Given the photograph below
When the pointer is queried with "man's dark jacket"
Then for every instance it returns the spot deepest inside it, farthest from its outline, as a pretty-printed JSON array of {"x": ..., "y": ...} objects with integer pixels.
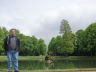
[{"x": 7, "y": 43}]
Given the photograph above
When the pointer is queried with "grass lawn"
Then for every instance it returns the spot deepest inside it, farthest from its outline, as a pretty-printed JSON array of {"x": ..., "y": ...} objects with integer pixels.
[
  {"x": 74, "y": 57},
  {"x": 4, "y": 58},
  {"x": 75, "y": 70}
]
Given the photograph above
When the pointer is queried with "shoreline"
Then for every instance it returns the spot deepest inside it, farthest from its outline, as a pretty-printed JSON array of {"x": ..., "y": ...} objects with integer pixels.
[{"x": 41, "y": 58}]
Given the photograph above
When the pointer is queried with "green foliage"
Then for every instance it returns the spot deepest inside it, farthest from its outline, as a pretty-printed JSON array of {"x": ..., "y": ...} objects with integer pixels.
[
  {"x": 91, "y": 39},
  {"x": 3, "y": 33},
  {"x": 64, "y": 44},
  {"x": 51, "y": 47},
  {"x": 41, "y": 47},
  {"x": 64, "y": 27},
  {"x": 30, "y": 46},
  {"x": 86, "y": 41},
  {"x": 82, "y": 43}
]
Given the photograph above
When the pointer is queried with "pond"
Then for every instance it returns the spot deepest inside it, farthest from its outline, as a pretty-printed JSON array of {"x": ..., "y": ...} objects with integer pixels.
[{"x": 57, "y": 64}]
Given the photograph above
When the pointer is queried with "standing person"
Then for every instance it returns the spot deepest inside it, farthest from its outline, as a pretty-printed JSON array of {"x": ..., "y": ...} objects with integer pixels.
[{"x": 11, "y": 46}]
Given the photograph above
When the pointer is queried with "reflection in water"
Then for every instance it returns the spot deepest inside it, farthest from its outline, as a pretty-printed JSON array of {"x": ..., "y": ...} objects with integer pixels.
[
  {"x": 49, "y": 64},
  {"x": 57, "y": 64}
]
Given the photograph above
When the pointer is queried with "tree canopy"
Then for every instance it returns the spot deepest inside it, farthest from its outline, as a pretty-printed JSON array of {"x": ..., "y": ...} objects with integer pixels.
[
  {"x": 30, "y": 45},
  {"x": 80, "y": 43}
]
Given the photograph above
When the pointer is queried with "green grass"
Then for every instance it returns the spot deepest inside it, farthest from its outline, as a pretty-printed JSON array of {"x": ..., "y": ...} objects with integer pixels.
[
  {"x": 4, "y": 58},
  {"x": 90, "y": 69},
  {"x": 25, "y": 58},
  {"x": 74, "y": 57},
  {"x": 58, "y": 70},
  {"x": 31, "y": 58}
]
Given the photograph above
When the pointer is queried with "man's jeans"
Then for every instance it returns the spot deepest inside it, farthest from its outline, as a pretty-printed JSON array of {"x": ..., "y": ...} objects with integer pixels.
[{"x": 12, "y": 57}]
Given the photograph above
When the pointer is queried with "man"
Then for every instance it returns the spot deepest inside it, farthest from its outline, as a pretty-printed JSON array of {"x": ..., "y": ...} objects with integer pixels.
[{"x": 11, "y": 46}]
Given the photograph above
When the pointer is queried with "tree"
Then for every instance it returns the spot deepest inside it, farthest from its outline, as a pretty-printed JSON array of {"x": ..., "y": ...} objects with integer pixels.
[
  {"x": 29, "y": 45},
  {"x": 91, "y": 39},
  {"x": 65, "y": 27},
  {"x": 3, "y": 34},
  {"x": 80, "y": 43},
  {"x": 63, "y": 44},
  {"x": 41, "y": 47},
  {"x": 68, "y": 39},
  {"x": 51, "y": 47}
]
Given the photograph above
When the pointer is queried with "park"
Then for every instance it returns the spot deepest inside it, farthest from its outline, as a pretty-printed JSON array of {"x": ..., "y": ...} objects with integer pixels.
[
  {"x": 47, "y": 35},
  {"x": 67, "y": 52}
]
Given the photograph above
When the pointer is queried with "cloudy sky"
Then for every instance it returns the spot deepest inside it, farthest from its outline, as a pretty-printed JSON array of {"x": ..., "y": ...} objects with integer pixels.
[{"x": 42, "y": 17}]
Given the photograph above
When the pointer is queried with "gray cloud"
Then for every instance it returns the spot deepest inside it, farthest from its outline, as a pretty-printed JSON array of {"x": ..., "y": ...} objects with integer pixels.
[{"x": 42, "y": 17}]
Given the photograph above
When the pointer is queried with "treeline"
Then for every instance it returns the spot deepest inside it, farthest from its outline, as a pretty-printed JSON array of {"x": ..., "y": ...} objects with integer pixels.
[
  {"x": 67, "y": 43},
  {"x": 30, "y": 46},
  {"x": 81, "y": 43}
]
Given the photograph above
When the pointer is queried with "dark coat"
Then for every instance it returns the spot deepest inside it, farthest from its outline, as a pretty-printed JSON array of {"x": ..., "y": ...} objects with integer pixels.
[{"x": 7, "y": 43}]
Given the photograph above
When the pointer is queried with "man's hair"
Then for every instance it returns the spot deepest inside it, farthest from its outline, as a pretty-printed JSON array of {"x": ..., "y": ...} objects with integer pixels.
[{"x": 12, "y": 30}]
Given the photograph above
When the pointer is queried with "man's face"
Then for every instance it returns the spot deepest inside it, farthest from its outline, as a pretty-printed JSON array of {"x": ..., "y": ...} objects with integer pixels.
[{"x": 13, "y": 32}]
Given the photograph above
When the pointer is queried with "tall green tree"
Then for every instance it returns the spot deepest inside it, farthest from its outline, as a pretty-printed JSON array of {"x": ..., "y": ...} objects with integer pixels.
[
  {"x": 65, "y": 27},
  {"x": 80, "y": 43},
  {"x": 42, "y": 48},
  {"x": 55, "y": 46},
  {"x": 51, "y": 47},
  {"x": 68, "y": 38},
  {"x": 63, "y": 44},
  {"x": 91, "y": 39}
]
